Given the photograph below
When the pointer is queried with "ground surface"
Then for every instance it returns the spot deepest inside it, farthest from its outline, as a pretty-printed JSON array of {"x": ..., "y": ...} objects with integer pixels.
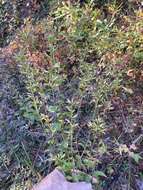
[{"x": 9, "y": 85}]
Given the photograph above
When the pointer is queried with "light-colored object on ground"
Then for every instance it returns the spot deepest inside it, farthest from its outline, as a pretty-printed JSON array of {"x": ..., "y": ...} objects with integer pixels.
[
  {"x": 57, "y": 181},
  {"x": 139, "y": 184}
]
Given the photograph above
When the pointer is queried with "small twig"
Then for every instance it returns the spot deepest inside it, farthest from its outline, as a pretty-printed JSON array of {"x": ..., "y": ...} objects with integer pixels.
[{"x": 137, "y": 140}]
